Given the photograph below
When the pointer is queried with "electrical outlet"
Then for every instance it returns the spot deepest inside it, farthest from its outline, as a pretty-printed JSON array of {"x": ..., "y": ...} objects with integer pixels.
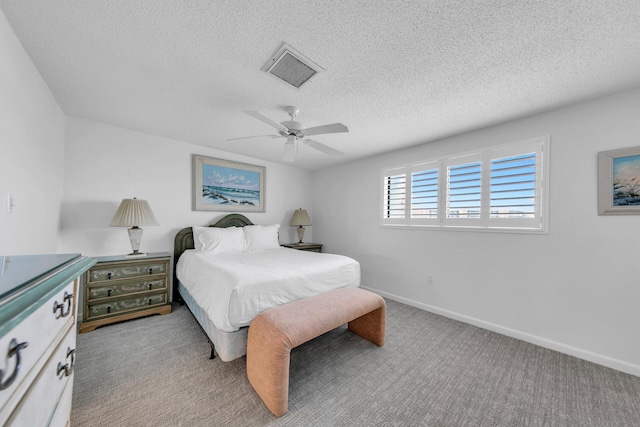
[{"x": 430, "y": 280}]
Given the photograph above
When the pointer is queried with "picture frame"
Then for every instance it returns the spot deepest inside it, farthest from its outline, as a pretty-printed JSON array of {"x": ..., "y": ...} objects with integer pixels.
[
  {"x": 223, "y": 185},
  {"x": 619, "y": 182}
]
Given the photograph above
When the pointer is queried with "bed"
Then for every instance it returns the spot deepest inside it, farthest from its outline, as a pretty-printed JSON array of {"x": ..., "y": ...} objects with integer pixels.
[{"x": 226, "y": 286}]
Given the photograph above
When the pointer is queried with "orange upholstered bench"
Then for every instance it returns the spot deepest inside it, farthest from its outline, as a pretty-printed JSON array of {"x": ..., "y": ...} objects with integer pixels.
[{"x": 275, "y": 332}]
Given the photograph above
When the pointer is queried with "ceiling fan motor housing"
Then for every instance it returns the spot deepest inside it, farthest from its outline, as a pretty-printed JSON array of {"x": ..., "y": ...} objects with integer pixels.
[{"x": 295, "y": 128}]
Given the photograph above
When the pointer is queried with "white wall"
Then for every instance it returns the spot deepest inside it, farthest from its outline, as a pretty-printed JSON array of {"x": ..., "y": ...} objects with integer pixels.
[
  {"x": 106, "y": 164},
  {"x": 576, "y": 289},
  {"x": 31, "y": 153}
]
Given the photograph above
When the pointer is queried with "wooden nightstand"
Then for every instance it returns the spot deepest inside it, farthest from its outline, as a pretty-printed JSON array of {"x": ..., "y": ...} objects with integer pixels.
[
  {"x": 311, "y": 247},
  {"x": 121, "y": 288}
]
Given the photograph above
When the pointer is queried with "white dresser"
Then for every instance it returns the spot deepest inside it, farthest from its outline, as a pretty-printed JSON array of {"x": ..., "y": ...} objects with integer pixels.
[{"x": 38, "y": 306}]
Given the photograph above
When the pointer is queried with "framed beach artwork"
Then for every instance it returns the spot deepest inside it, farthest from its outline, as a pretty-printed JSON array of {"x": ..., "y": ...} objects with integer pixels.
[
  {"x": 223, "y": 185},
  {"x": 619, "y": 182}
]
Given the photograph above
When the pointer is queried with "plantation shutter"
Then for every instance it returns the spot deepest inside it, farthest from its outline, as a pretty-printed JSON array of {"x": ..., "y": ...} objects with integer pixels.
[
  {"x": 394, "y": 190},
  {"x": 464, "y": 190},
  {"x": 513, "y": 187},
  {"x": 425, "y": 193},
  {"x": 516, "y": 185}
]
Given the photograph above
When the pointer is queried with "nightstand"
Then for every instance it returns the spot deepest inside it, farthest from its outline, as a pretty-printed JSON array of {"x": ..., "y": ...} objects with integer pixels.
[
  {"x": 311, "y": 247},
  {"x": 121, "y": 288}
]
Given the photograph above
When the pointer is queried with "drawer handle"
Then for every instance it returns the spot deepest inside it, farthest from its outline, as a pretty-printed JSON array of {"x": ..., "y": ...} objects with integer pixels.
[
  {"x": 150, "y": 270},
  {"x": 150, "y": 300},
  {"x": 109, "y": 309},
  {"x": 68, "y": 298},
  {"x": 14, "y": 349},
  {"x": 67, "y": 368},
  {"x": 109, "y": 292},
  {"x": 109, "y": 275},
  {"x": 150, "y": 286}
]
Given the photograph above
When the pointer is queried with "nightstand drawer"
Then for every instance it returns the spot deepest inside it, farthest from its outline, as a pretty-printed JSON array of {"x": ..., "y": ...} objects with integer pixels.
[
  {"x": 116, "y": 289},
  {"x": 104, "y": 272},
  {"x": 98, "y": 310}
]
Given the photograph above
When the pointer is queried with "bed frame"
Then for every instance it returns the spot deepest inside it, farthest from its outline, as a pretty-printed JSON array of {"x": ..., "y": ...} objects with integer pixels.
[{"x": 184, "y": 241}]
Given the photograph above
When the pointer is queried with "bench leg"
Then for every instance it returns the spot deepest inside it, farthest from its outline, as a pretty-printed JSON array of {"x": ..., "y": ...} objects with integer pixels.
[
  {"x": 268, "y": 356},
  {"x": 370, "y": 326}
]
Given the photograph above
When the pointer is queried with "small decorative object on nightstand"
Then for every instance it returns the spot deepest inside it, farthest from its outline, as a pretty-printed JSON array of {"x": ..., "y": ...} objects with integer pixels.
[
  {"x": 311, "y": 247},
  {"x": 119, "y": 288},
  {"x": 300, "y": 218}
]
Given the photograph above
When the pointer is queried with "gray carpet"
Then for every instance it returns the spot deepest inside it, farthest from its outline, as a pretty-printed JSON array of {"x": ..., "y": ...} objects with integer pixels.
[{"x": 433, "y": 371}]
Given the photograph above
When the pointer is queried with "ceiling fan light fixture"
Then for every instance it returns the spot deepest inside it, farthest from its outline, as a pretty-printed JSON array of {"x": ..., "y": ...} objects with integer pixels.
[
  {"x": 290, "y": 149},
  {"x": 291, "y": 66}
]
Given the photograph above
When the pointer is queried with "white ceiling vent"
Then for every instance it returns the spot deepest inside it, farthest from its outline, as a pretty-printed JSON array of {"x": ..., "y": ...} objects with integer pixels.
[{"x": 291, "y": 66}]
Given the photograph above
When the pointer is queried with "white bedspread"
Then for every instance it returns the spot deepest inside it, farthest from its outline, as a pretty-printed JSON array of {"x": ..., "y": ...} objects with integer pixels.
[{"x": 233, "y": 288}]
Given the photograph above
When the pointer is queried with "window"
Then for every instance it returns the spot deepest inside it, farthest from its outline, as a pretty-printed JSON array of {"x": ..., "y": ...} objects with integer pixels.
[{"x": 502, "y": 188}]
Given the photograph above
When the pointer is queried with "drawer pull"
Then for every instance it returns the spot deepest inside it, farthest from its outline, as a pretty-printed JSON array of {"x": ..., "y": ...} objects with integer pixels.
[
  {"x": 150, "y": 286},
  {"x": 150, "y": 300},
  {"x": 67, "y": 368},
  {"x": 109, "y": 292},
  {"x": 68, "y": 299},
  {"x": 14, "y": 349},
  {"x": 150, "y": 270},
  {"x": 109, "y": 309}
]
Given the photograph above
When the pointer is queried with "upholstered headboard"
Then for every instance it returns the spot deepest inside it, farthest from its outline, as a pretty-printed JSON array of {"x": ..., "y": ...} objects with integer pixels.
[{"x": 184, "y": 241}]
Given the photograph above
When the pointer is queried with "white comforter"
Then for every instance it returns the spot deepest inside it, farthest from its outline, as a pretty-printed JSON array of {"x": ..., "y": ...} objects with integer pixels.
[{"x": 233, "y": 288}]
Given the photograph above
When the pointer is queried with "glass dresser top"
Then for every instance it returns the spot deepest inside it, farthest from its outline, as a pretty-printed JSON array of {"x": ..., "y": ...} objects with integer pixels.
[{"x": 17, "y": 271}]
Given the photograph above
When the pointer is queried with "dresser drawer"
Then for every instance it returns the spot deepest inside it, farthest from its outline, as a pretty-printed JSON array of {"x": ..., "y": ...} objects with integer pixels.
[
  {"x": 98, "y": 310},
  {"x": 31, "y": 343},
  {"x": 106, "y": 290},
  {"x": 105, "y": 271},
  {"x": 40, "y": 401},
  {"x": 63, "y": 411}
]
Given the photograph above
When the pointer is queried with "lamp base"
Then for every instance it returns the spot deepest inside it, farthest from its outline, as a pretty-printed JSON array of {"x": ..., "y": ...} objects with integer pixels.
[
  {"x": 135, "y": 236},
  {"x": 300, "y": 231},
  {"x": 136, "y": 254}
]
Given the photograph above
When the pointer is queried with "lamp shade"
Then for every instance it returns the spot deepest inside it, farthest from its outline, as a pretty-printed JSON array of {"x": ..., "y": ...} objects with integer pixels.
[
  {"x": 132, "y": 213},
  {"x": 300, "y": 217}
]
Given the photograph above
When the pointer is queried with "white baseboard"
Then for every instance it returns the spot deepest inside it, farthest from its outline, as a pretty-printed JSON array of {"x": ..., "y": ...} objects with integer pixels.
[{"x": 600, "y": 359}]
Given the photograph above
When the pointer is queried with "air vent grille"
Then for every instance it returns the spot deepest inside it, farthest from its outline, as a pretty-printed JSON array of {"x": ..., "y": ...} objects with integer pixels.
[{"x": 291, "y": 66}]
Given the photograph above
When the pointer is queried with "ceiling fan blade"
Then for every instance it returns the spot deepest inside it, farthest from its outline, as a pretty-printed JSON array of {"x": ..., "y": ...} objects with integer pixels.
[
  {"x": 256, "y": 136},
  {"x": 321, "y": 147},
  {"x": 266, "y": 120},
  {"x": 332, "y": 128}
]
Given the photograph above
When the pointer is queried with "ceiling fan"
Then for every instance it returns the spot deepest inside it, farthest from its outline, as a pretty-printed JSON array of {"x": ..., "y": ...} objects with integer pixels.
[{"x": 295, "y": 131}]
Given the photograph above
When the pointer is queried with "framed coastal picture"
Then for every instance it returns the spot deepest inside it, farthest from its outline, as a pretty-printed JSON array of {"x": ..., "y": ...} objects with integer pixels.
[
  {"x": 619, "y": 182},
  {"x": 223, "y": 185}
]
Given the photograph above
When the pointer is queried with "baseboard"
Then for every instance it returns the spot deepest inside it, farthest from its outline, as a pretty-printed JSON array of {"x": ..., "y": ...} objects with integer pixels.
[{"x": 600, "y": 359}]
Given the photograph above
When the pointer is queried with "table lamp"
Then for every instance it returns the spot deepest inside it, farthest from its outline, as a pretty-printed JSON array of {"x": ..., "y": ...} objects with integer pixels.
[
  {"x": 133, "y": 213},
  {"x": 300, "y": 218}
]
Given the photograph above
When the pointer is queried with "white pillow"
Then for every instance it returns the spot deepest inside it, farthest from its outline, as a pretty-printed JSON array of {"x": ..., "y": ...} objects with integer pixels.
[
  {"x": 218, "y": 240},
  {"x": 260, "y": 237}
]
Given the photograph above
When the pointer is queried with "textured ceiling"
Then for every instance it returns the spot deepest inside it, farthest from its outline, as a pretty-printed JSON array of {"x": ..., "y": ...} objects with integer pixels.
[{"x": 398, "y": 73}]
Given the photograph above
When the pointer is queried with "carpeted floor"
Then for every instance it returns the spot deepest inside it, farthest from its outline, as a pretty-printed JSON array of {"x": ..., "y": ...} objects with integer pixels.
[{"x": 432, "y": 371}]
